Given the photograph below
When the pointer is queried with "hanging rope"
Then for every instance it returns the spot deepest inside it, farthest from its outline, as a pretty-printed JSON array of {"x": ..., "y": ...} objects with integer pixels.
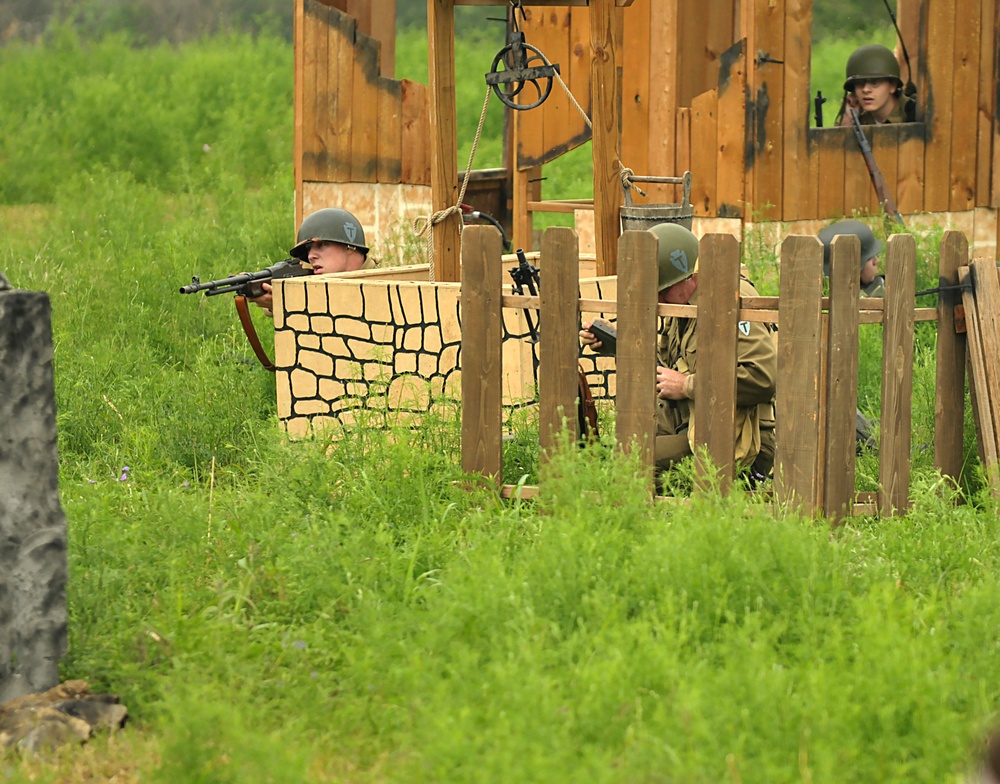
[
  {"x": 625, "y": 173},
  {"x": 422, "y": 225}
]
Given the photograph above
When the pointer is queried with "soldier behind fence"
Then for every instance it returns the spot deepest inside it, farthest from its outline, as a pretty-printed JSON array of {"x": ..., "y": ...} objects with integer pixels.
[
  {"x": 677, "y": 356},
  {"x": 870, "y": 284}
]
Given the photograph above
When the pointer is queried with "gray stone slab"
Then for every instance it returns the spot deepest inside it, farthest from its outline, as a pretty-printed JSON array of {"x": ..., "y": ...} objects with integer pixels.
[{"x": 32, "y": 523}]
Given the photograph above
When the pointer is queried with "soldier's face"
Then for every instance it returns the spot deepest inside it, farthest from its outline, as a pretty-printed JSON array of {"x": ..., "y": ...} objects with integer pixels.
[
  {"x": 680, "y": 293},
  {"x": 869, "y": 271},
  {"x": 874, "y": 95},
  {"x": 328, "y": 257}
]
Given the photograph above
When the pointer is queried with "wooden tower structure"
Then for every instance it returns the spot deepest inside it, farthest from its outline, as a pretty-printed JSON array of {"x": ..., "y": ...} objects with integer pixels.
[{"x": 721, "y": 89}]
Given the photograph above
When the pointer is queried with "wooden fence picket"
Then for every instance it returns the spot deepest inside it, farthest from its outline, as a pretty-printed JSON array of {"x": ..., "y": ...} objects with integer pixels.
[
  {"x": 559, "y": 342},
  {"x": 482, "y": 320},
  {"x": 635, "y": 419},
  {"x": 718, "y": 315},
  {"x": 842, "y": 378},
  {"x": 897, "y": 374},
  {"x": 798, "y": 421}
]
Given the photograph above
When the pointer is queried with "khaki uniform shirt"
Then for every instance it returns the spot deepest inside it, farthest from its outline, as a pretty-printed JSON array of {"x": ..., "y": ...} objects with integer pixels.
[
  {"x": 898, "y": 114},
  {"x": 756, "y": 370},
  {"x": 874, "y": 289}
]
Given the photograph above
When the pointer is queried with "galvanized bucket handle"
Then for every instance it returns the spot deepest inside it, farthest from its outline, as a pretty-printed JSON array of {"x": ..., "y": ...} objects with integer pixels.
[{"x": 685, "y": 181}]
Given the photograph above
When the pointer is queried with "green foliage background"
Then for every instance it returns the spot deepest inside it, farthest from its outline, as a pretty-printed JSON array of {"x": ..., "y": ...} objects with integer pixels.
[{"x": 344, "y": 610}]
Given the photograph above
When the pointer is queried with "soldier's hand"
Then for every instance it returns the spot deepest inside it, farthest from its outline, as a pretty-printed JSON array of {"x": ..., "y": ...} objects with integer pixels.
[
  {"x": 850, "y": 102},
  {"x": 587, "y": 338},
  {"x": 670, "y": 384},
  {"x": 265, "y": 300}
]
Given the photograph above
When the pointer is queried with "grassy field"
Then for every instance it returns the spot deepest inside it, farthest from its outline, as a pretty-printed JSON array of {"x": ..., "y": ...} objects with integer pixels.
[{"x": 311, "y": 611}]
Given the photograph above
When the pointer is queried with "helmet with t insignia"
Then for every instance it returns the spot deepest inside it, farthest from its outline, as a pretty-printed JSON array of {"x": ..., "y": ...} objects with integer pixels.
[
  {"x": 330, "y": 225},
  {"x": 677, "y": 253}
]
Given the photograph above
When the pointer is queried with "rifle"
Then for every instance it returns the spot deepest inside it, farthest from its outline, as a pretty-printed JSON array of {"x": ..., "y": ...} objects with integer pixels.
[
  {"x": 247, "y": 284},
  {"x": 885, "y": 199},
  {"x": 910, "y": 89},
  {"x": 525, "y": 275},
  {"x": 818, "y": 102}
]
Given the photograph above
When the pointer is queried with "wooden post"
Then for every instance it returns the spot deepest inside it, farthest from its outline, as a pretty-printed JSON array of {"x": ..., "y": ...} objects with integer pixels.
[
  {"x": 842, "y": 378},
  {"x": 715, "y": 396},
  {"x": 635, "y": 421},
  {"x": 605, "y": 32},
  {"x": 897, "y": 375},
  {"x": 949, "y": 395},
  {"x": 987, "y": 296},
  {"x": 559, "y": 342},
  {"x": 444, "y": 150},
  {"x": 798, "y": 420},
  {"x": 298, "y": 93},
  {"x": 978, "y": 384},
  {"x": 482, "y": 320},
  {"x": 524, "y": 191}
]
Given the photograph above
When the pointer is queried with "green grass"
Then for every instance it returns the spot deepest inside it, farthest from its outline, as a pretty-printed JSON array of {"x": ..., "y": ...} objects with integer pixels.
[{"x": 345, "y": 611}]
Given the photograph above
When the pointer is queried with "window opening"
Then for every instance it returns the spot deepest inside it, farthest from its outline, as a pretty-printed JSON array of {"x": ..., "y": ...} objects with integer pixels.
[{"x": 840, "y": 28}]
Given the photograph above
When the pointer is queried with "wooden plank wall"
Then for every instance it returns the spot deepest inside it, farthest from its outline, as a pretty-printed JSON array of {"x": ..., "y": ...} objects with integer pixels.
[
  {"x": 766, "y": 28},
  {"x": 793, "y": 172},
  {"x": 798, "y": 179},
  {"x": 354, "y": 124},
  {"x": 556, "y": 127},
  {"x": 944, "y": 163},
  {"x": 351, "y": 123}
]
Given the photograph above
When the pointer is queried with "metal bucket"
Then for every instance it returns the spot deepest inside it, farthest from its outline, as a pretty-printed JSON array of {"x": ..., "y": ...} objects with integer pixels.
[{"x": 642, "y": 217}]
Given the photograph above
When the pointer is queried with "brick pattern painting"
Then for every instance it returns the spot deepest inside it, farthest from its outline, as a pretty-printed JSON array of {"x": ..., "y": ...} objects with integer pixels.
[{"x": 350, "y": 348}]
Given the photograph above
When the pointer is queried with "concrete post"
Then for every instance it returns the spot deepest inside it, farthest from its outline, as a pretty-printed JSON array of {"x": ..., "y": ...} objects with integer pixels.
[{"x": 32, "y": 524}]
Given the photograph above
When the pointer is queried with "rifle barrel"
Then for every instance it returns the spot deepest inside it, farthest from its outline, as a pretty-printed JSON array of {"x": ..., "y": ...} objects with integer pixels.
[
  {"x": 878, "y": 179},
  {"x": 227, "y": 284}
]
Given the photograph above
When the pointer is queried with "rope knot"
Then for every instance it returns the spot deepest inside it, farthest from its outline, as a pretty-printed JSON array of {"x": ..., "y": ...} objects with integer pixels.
[
  {"x": 626, "y": 176},
  {"x": 422, "y": 224}
]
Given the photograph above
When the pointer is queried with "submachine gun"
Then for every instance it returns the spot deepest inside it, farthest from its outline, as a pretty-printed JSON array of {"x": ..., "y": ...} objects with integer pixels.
[
  {"x": 247, "y": 284},
  {"x": 526, "y": 277}
]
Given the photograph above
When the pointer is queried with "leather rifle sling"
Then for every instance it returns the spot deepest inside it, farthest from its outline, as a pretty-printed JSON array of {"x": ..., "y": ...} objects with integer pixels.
[
  {"x": 244, "y": 310},
  {"x": 586, "y": 409}
]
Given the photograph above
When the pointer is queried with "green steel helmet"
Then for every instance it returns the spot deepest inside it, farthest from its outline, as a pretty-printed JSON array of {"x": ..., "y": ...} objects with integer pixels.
[
  {"x": 872, "y": 61},
  {"x": 678, "y": 252},
  {"x": 870, "y": 246},
  {"x": 332, "y": 225}
]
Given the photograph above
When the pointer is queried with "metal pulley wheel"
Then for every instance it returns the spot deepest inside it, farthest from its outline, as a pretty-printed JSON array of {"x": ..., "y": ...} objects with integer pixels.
[{"x": 516, "y": 66}]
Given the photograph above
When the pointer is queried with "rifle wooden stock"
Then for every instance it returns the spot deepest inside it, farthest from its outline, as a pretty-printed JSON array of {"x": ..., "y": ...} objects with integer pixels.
[{"x": 885, "y": 199}]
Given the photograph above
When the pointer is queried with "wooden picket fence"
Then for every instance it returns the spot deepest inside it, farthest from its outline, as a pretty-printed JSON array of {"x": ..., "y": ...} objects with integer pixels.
[{"x": 817, "y": 383}]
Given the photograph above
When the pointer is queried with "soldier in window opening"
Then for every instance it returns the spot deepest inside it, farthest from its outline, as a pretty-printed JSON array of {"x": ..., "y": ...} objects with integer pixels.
[
  {"x": 677, "y": 356},
  {"x": 874, "y": 89},
  {"x": 331, "y": 240}
]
